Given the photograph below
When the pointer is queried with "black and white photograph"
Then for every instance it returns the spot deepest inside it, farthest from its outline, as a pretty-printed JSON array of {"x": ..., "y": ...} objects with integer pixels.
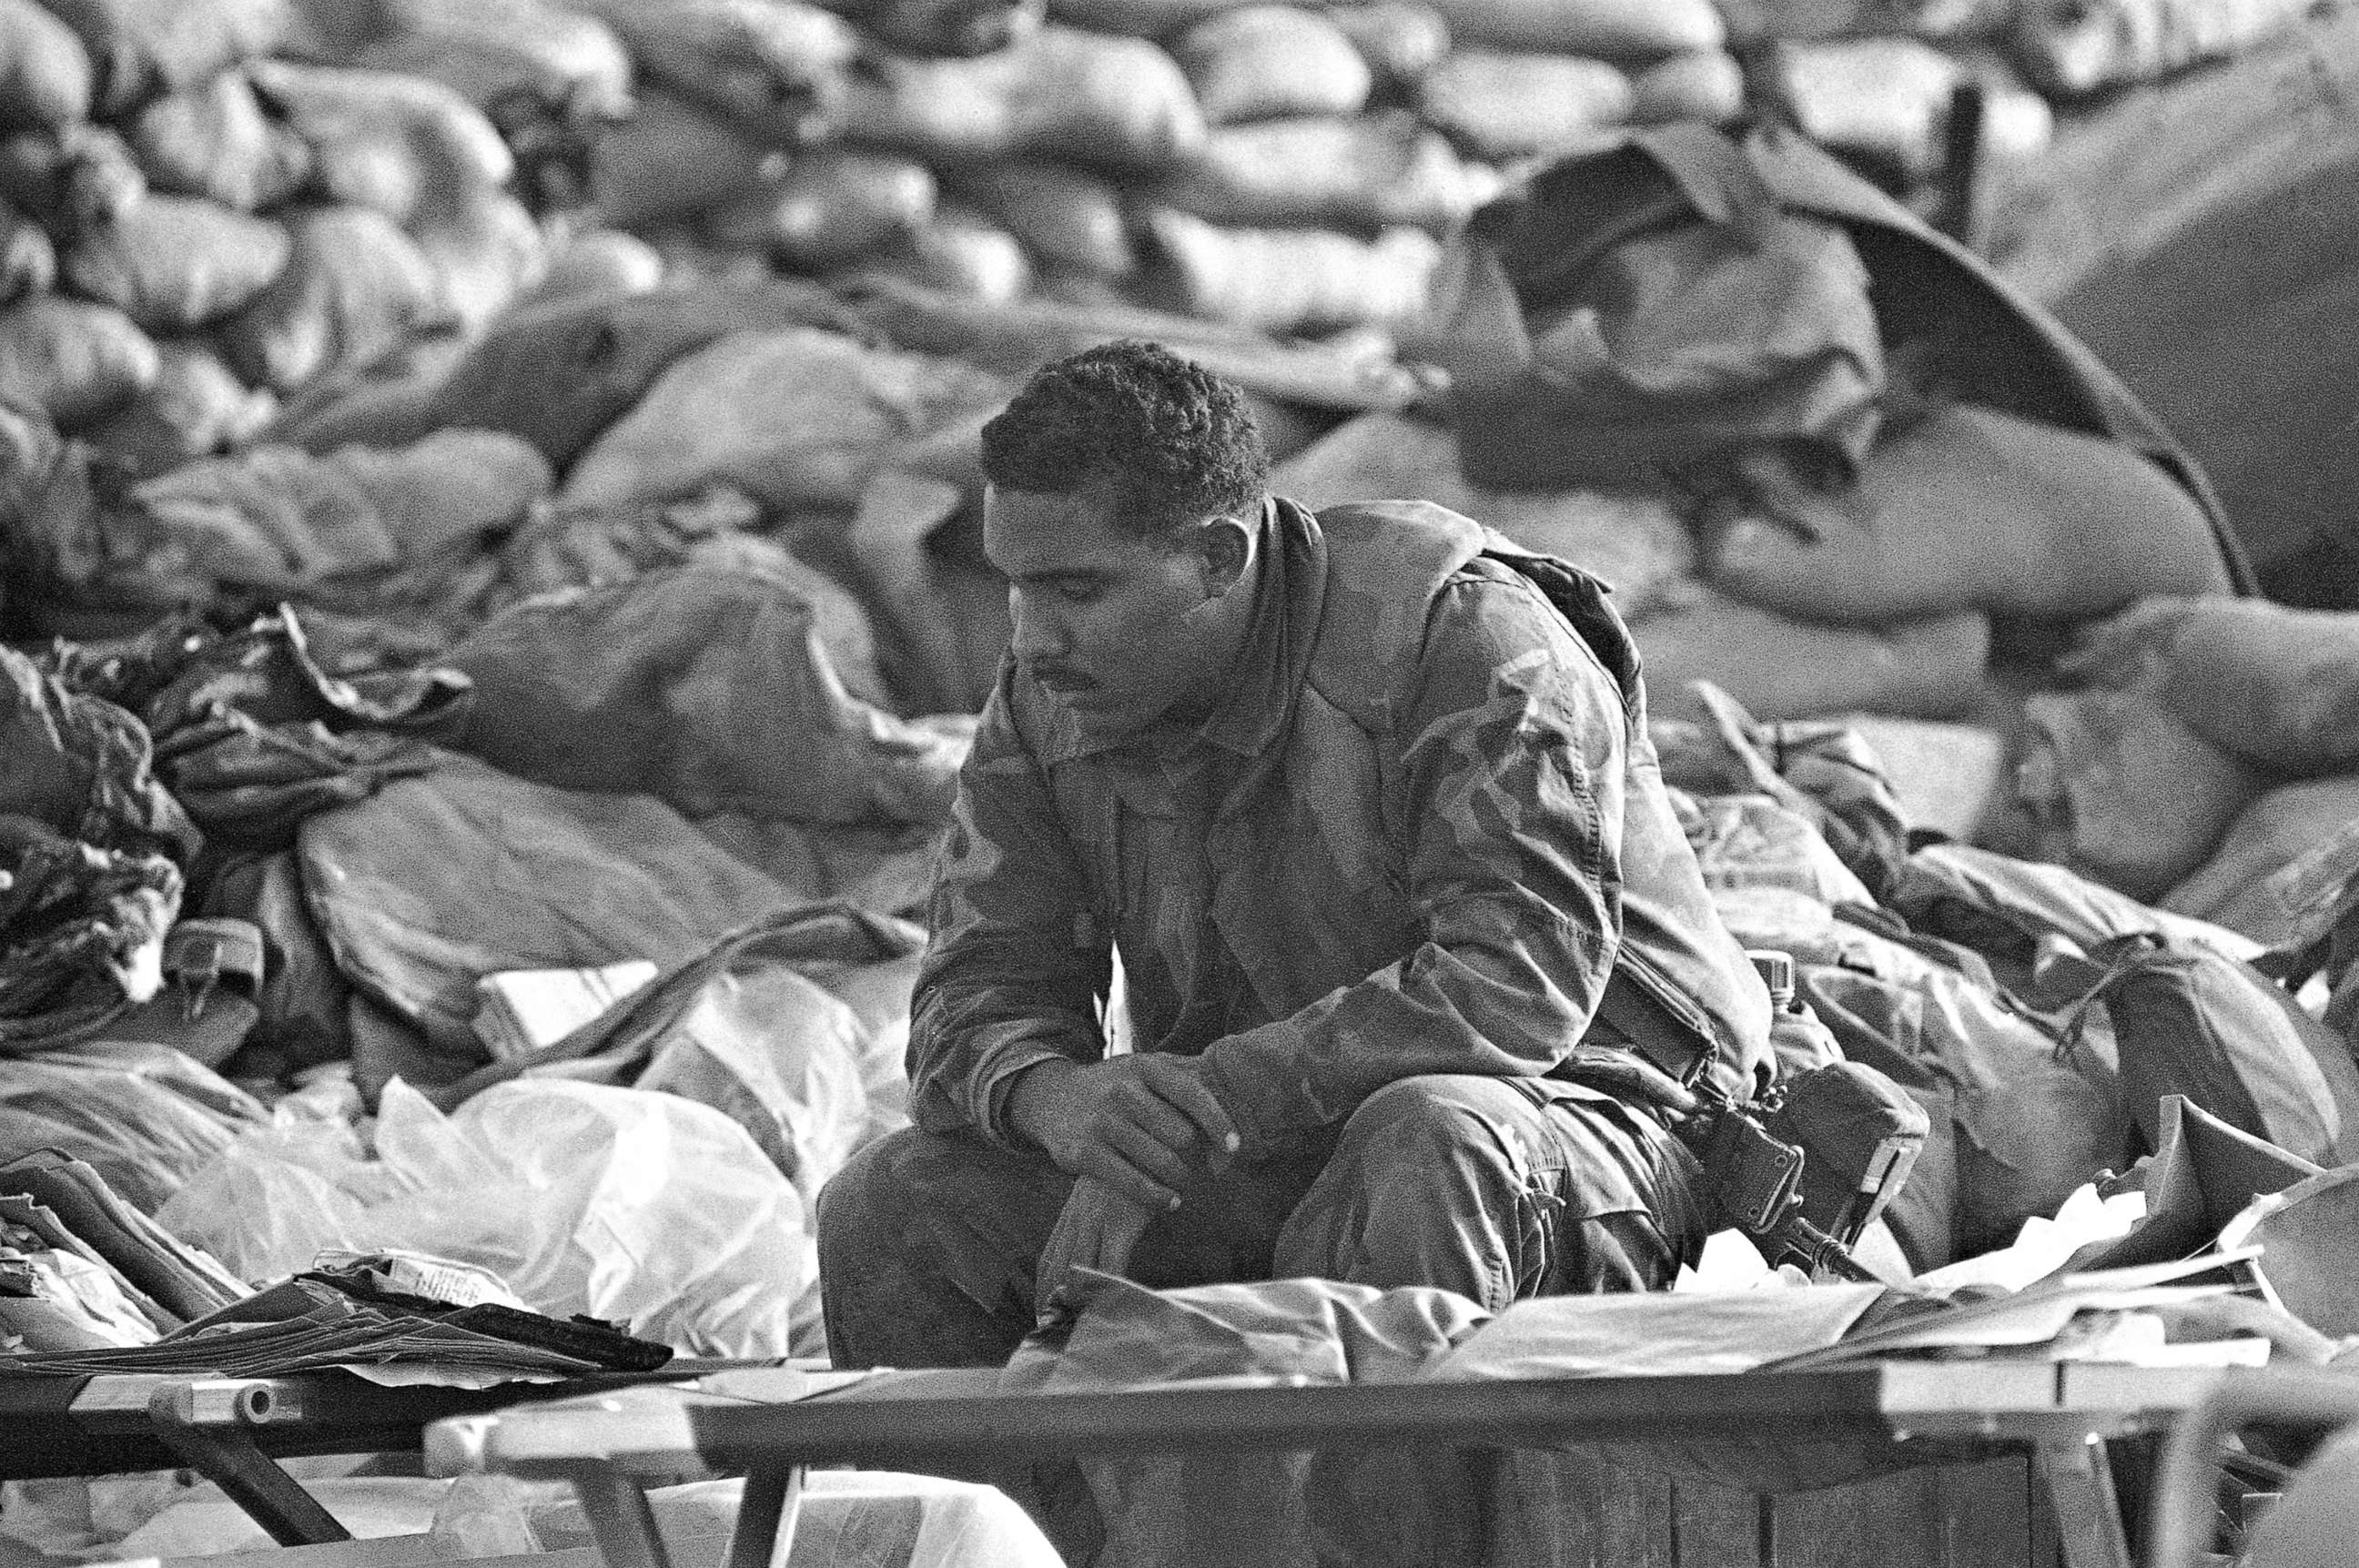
[{"x": 1179, "y": 784}]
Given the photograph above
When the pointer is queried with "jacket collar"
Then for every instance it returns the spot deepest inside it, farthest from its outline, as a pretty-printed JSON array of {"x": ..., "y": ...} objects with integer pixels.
[{"x": 1270, "y": 664}]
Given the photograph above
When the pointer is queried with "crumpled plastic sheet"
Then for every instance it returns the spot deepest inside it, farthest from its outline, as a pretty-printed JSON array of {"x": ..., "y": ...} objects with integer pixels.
[
  {"x": 638, "y": 1208},
  {"x": 1119, "y": 1334}
]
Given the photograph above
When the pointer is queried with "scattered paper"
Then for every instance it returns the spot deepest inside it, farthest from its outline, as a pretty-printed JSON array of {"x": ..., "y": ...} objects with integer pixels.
[
  {"x": 1599, "y": 1336},
  {"x": 2035, "y": 1315},
  {"x": 2043, "y": 1245}
]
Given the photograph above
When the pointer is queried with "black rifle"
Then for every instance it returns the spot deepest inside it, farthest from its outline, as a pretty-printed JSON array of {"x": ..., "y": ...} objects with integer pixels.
[{"x": 1867, "y": 1132}]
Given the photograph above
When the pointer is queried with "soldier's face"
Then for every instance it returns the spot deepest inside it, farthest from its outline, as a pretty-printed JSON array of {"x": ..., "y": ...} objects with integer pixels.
[{"x": 1117, "y": 627}]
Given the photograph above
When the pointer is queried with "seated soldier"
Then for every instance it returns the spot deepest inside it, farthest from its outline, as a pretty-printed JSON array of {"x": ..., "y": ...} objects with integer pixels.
[{"x": 1419, "y": 969}]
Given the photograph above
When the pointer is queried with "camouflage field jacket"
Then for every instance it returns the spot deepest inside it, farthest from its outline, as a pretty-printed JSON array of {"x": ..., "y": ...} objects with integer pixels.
[{"x": 1424, "y": 833}]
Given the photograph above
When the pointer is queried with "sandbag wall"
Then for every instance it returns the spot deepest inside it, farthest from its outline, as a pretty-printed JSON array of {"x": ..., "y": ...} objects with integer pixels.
[
  {"x": 408, "y": 311},
  {"x": 209, "y": 206},
  {"x": 194, "y": 230},
  {"x": 245, "y": 226},
  {"x": 1877, "y": 79},
  {"x": 1279, "y": 167}
]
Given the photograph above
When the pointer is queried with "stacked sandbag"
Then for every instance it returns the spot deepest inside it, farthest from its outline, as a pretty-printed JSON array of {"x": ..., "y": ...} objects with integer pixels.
[
  {"x": 322, "y": 207},
  {"x": 1881, "y": 83},
  {"x": 2209, "y": 760},
  {"x": 192, "y": 229},
  {"x": 1283, "y": 167},
  {"x": 1632, "y": 538},
  {"x": 558, "y": 371},
  {"x": 199, "y": 217},
  {"x": 2075, "y": 50},
  {"x": 1961, "y": 519},
  {"x": 1286, "y": 168},
  {"x": 1890, "y": 504},
  {"x": 93, "y": 555},
  {"x": 1926, "y": 664},
  {"x": 800, "y": 419},
  {"x": 1889, "y": 105},
  {"x": 1881, "y": 79}
]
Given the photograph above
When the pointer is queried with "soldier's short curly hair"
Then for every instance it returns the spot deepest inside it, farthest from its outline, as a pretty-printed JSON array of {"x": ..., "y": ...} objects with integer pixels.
[{"x": 1165, "y": 439}]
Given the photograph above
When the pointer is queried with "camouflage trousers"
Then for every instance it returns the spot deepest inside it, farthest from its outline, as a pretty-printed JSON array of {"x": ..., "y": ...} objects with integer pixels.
[{"x": 1497, "y": 1189}]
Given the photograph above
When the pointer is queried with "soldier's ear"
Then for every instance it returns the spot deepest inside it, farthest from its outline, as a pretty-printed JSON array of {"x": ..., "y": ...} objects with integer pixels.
[{"x": 1224, "y": 549}]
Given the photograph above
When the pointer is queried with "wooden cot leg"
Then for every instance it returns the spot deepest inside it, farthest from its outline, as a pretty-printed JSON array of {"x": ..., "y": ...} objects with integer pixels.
[
  {"x": 620, "y": 1520},
  {"x": 765, "y": 1536},
  {"x": 2080, "y": 1483},
  {"x": 229, "y": 1457}
]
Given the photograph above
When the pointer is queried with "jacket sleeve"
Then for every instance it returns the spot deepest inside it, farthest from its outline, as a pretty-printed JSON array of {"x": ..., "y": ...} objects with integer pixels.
[
  {"x": 1015, "y": 972},
  {"x": 1510, "y": 782}
]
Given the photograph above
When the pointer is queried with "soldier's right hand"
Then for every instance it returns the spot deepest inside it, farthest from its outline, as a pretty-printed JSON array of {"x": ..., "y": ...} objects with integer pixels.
[{"x": 1144, "y": 1125}]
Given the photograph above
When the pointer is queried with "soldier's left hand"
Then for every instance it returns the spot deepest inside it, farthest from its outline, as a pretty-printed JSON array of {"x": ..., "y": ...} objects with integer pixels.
[{"x": 1099, "y": 1226}]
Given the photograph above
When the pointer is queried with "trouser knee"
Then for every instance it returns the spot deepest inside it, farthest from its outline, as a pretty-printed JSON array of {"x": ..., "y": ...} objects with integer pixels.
[
  {"x": 1418, "y": 1191},
  {"x": 1496, "y": 1189},
  {"x": 853, "y": 1214},
  {"x": 1436, "y": 1128},
  {"x": 927, "y": 1247}
]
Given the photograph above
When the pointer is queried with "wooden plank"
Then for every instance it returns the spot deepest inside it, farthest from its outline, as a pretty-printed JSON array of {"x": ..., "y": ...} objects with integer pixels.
[
  {"x": 1967, "y": 1515},
  {"x": 1983, "y": 1514},
  {"x": 1467, "y": 1506},
  {"x": 1575, "y": 1507},
  {"x": 1890, "y": 1521},
  {"x": 1717, "y": 1526},
  {"x": 1637, "y": 1521},
  {"x": 274, "y": 1500},
  {"x": 1549, "y": 1508},
  {"x": 2047, "y": 1539},
  {"x": 1951, "y": 1396},
  {"x": 1177, "y": 1418}
]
